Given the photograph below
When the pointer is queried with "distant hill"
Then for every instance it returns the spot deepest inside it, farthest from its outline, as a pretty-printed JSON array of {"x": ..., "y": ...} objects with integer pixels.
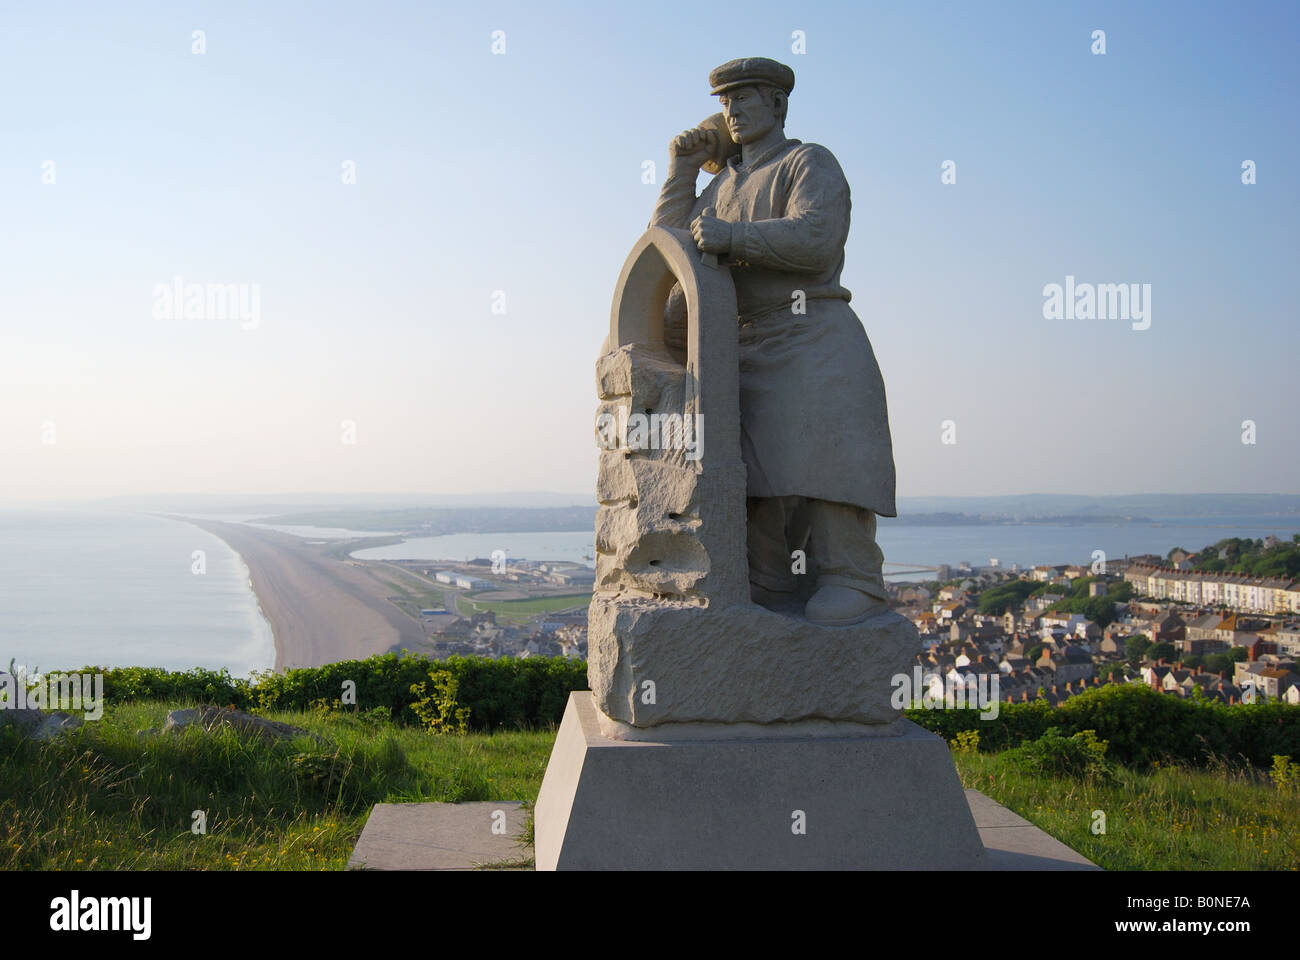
[
  {"x": 436, "y": 521},
  {"x": 303, "y": 502},
  {"x": 1028, "y": 507}
]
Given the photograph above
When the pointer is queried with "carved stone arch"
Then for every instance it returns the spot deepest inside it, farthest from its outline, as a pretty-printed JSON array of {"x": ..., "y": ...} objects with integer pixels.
[{"x": 637, "y": 372}]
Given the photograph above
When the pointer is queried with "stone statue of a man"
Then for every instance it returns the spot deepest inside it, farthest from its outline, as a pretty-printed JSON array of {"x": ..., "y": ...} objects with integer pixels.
[{"x": 814, "y": 426}]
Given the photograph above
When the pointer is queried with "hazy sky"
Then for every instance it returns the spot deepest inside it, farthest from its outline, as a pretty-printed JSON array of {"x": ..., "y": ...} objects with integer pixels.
[{"x": 522, "y": 172}]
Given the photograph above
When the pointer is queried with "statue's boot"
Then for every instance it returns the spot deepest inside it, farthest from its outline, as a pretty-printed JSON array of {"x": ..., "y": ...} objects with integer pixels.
[{"x": 839, "y": 606}]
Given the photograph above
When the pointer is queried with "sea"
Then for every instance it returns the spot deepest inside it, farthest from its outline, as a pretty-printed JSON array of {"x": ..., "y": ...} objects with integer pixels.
[
  {"x": 907, "y": 546},
  {"x": 120, "y": 589},
  {"x": 82, "y": 588}
]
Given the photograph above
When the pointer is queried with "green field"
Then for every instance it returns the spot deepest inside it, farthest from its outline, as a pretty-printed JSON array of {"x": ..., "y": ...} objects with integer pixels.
[{"x": 521, "y": 608}]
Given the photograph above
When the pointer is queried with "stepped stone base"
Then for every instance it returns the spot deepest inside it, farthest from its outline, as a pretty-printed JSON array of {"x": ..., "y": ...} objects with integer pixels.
[
  {"x": 445, "y": 836},
  {"x": 864, "y": 802}
]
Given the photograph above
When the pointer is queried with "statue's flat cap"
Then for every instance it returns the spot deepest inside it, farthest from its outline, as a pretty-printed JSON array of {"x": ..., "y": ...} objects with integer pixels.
[{"x": 749, "y": 71}]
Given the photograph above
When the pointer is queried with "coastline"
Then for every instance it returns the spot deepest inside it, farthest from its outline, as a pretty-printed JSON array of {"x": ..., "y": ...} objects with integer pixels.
[
  {"x": 321, "y": 610},
  {"x": 324, "y": 607},
  {"x": 257, "y": 603}
]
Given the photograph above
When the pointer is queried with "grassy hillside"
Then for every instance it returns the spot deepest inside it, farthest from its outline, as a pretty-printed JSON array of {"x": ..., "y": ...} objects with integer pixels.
[
  {"x": 105, "y": 798},
  {"x": 1167, "y": 818}
]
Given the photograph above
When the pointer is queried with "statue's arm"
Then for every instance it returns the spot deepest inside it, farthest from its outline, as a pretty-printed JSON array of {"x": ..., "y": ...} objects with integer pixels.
[
  {"x": 810, "y": 237},
  {"x": 676, "y": 197}
]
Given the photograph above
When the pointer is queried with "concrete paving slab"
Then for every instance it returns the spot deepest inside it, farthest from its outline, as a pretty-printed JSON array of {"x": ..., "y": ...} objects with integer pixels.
[
  {"x": 1013, "y": 843},
  {"x": 440, "y": 836},
  {"x": 989, "y": 813}
]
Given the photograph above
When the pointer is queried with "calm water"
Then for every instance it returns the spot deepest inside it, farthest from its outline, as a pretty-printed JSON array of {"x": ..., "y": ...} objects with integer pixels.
[
  {"x": 564, "y": 545},
  {"x": 1049, "y": 543},
  {"x": 117, "y": 589},
  {"x": 107, "y": 589},
  {"x": 1025, "y": 544}
]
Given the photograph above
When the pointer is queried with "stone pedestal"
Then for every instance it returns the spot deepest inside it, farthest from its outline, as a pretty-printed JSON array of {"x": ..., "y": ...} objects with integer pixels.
[
  {"x": 655, "y": 662},
  {"x": 885, "y": 796}
]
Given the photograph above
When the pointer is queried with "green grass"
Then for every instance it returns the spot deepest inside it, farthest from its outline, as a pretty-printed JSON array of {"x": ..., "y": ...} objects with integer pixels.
[
  {"x": 481, "y": 602},
  {"x": 103, "y": 798},
  {"x": 1169, "y": 818},
  {"x": 419, "y": 595},
  {"x": 413, "y": 586}
]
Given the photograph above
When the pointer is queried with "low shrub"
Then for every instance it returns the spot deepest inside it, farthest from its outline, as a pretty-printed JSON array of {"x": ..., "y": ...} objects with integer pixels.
[
  {"x": 1140, "y": 725},
  {"x": 1080, "y": 755},
  {"x": 440, "y": 710},
  {"x": 1286, "y": 774}
]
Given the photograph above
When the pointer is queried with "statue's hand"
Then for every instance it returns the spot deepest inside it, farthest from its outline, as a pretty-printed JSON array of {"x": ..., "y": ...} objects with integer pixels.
[
  {"x": 711, "y": 234},
  {"x": 692, "y": 147}
]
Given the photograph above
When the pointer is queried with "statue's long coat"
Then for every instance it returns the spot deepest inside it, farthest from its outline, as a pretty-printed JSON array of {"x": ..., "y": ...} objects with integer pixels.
[{"x": 812, "y": 402}]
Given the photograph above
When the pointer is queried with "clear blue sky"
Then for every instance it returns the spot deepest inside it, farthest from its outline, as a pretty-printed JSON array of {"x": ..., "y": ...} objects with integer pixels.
[{"x": 522, "y": 173}]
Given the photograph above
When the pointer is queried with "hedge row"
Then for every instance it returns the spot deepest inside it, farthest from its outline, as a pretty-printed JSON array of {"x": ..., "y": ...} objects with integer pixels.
[
  {"x": 505, "y": 693},
  {"x": 1140, "y": 724}
]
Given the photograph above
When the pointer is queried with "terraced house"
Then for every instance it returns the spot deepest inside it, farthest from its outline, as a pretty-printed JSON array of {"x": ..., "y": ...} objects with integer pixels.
[{"x": 1237, "y": 591}]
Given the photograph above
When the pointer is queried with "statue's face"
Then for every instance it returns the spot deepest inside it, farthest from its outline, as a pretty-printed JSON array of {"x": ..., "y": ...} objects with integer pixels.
[{"x": 750, "y": 116}]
